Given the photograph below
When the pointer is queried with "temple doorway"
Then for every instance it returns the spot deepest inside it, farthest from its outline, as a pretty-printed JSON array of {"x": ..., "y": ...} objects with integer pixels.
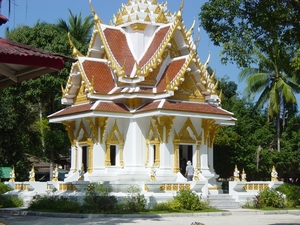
[
  {"x": 185, "y": 154},
  {"x": 84, "y": 158}
]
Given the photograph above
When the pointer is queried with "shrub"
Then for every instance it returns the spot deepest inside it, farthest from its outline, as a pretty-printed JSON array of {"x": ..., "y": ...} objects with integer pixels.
[
  {"x": 292, "y": 193},
  {"x": 189, "y": 200},
  {"x": 4, "y": 188},
  {"x": 184, "y": 200},
  {"x": 51, "y": 203},
  {"x": 134, "y": 201},
  {"x": 269, "y": 198},
  {"x": 7, "y": 201},
  {"x": 99, "y": 200}
]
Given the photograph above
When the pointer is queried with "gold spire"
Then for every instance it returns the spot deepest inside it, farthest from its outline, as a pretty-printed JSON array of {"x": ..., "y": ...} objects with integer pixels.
[
  {"x": 179, "y": 13},
  {"x": 190, "y": 31},
  {"x": 75, "y": 52},
  {"x": 96, "y": 17}
]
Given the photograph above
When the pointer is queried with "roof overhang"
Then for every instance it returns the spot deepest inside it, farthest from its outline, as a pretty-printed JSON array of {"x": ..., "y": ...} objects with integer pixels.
[{"x": 19, "y": 62}]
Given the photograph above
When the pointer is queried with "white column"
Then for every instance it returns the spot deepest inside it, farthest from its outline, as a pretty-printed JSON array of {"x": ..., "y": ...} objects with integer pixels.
[{"x": 133, "y": 146}]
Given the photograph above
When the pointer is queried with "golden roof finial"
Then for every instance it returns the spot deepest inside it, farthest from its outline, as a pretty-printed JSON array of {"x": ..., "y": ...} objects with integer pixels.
[
  {"x": 96, "y": 17},
  {"x": 75, "y": 52},
  {"x": 190, "y": 31},
  {"x": 138, "y": 69},
  {"x": 129, "y": 3},
  {"x": 179, "y": 13},
  {"x": 154, "y": 2}
]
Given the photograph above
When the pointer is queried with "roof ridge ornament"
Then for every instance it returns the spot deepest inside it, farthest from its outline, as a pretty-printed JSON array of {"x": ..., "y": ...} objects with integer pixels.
[
  {"x": 190, "y": 31},
  {"x": 75, "y": 51},
  {"x": 179, "y": 13},
  {"x": 96, "y": 17}
]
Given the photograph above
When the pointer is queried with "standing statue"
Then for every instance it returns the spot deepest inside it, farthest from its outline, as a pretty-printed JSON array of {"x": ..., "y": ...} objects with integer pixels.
[
  {"x": 12, "y": 175},
  {"x": 55, "y": 174},
  {"x": 236, "y": 174},
  {"x": 274, "y": 174},
  {"x": 244, "y": 176},
  {"x": 81, "y": 173},
  {"x": 153, "y": 174},
  {"x": 32, "y": 175}
]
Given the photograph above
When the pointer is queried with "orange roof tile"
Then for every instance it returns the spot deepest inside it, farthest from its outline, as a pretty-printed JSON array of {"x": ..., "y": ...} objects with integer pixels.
[
  {"x": 118, "y": 44},
  {"x": 111, "y": 107},
  {"x": 158, "y": 38},
  {"x": 171, "y": 71},
  {"x": 76, "y": 109},
  {"x": 101, "y": 74},
  {"x": 194, "y": 107}
]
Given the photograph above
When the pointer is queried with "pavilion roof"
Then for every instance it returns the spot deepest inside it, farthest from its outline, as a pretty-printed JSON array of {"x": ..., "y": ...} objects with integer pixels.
[{"x": 19, "y": 62}]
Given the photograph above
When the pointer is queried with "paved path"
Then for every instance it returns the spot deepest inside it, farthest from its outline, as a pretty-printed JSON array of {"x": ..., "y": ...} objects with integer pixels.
[{"x": 244, "y": 217}]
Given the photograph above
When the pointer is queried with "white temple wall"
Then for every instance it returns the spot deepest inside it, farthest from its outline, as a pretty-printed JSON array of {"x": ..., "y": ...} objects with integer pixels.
[
  {"x": 134, "y": 146},
  {"x": 99, "y": 157}
]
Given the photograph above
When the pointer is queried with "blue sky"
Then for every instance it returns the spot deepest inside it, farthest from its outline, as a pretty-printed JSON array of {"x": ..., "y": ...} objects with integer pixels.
[{"x": 28, "y": 12}]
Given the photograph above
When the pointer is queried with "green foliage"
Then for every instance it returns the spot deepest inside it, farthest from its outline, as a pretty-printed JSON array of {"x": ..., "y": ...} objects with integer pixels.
[
  {"x": 269, "y": 198},
  {"x": 184, "y": 200},
  {"x": 292, "y": 193},
  {"x": 4, "y": 188},
  {"x": 134, "y": 200},
  {"x": 52, "y": 203},
  {"x": 98, "y": 199},
  {"x": 10, "y": 201},
  {"x": 239, "y": 26}
]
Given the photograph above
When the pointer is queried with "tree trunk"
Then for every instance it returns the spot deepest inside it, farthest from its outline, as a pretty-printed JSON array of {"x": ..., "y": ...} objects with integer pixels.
[{"x": 278, "y": 132}]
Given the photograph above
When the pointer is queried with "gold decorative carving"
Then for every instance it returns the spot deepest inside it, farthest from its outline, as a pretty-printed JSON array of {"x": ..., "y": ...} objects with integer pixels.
[
  {"x": 67, "y": 187},
  {"x": 174, "y": 187},
  {"x": 207, "y": 126},
  {"x": 161, "y": 18},
  {"x": 114, "y": 138},
  {"x": 153, "y": 139},
  {"x": 70, "y": 128},
  {"x": 85, "y": 132},
  {"x": 90, "y": 155},
  {"x": 138, "y": 26},
  {"x": 188, "y": 90}
]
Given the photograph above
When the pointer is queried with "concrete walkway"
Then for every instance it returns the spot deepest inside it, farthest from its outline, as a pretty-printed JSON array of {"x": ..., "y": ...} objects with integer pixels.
[{"x": 240, "y": 216}]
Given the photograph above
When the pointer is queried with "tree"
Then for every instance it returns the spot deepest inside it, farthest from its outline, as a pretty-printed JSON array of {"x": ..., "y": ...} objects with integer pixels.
[
  {"x": 79, "y": 29},
  {"x": 41, "y": 95},
  {"x": 241, "y": 26},
  {"x": 273, "y": 84}
]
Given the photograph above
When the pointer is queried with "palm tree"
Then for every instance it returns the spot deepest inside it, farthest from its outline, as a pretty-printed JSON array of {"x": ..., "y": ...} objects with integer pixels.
[
  {"x": 273, "y": 85},
  {"x": 80, "y": 29}
]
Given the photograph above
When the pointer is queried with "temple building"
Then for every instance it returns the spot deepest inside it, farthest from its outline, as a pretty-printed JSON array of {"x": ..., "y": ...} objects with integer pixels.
[{"x": 140, "y": 104}]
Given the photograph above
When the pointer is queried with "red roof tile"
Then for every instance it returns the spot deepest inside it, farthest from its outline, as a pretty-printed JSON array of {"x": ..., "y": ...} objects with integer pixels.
[
  {"x": 194, "y": 107},
  {"x": 111, "y": 107},
  {"x": 16, "y": 53},
  {"x": 76, "y": 109},
  {"x": 100, "y": 73},
  {"x": 171, "y": 71},
  {"x": 118, "y": 44},
  {"x": 158, "y": 38}
]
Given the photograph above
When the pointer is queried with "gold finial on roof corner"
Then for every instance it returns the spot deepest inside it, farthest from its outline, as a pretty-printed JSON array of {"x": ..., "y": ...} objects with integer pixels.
[
  {"x": 179, "y": 13},
  {"x": 138, "y": 69},
  {"x": 154, "y": 2},
  {"x": 96, "y": 17},
  {"x": 75, "y": 52},
  {"x": 190, "y": 31},
  {"x": 129, "y": 3},
  {"x": 62, "y": 90},
  {"x": 168, "y": 84},
  {"x": 214, "y": 89}
]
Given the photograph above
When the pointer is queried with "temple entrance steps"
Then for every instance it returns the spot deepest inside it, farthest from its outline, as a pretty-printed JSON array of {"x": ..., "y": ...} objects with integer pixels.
[{"x": 223, "y": 201}]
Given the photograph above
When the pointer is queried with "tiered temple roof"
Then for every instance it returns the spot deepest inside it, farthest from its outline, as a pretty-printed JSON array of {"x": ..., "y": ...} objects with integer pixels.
[{"x": 144, "y": 60}]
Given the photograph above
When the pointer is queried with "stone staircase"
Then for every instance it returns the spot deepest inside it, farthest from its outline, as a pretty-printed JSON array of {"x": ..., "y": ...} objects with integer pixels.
[{"x": 223, "y": 201}]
